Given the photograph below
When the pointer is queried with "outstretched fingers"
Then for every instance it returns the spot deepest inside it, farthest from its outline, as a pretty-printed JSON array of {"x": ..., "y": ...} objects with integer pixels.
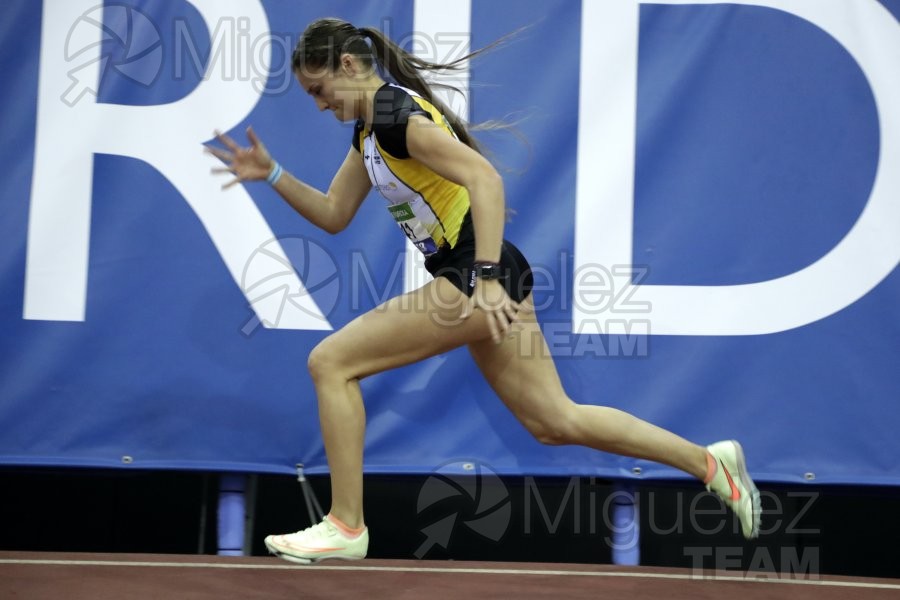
[
  {"x": 233, "y": 182},
  {"x": 251, "y": 135},
  {"x": 222, "y": 155},
  {"x": 226, "y": 141},
  {"x": 251, "y": 163},
  {"x": 226, "y": 156}
]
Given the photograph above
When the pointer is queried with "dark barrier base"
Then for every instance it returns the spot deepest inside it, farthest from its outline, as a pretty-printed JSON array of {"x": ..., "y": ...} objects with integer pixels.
[{"x": 806, "y": 530}]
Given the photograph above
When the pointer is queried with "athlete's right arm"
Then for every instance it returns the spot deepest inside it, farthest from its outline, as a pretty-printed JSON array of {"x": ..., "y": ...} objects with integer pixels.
[{"x": 332, "y": 211}]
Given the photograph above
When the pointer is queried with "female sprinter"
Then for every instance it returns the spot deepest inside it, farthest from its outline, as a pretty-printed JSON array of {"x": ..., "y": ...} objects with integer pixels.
[{"x": 448, "y": 199}]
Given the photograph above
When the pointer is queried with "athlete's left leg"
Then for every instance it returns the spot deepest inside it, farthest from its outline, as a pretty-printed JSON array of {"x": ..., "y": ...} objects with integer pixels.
[
  {"x": 522, "y": 373},
  {"x": 403, "y": 330}
]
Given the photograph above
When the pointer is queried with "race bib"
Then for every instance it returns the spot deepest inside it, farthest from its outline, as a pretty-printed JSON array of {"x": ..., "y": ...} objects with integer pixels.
[{"x": 413, "y": 228}]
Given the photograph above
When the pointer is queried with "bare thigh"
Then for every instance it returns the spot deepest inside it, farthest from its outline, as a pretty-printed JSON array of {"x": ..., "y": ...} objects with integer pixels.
[
  {"x": 403, "y": 330},
  {"x": 522, "y": 373}
]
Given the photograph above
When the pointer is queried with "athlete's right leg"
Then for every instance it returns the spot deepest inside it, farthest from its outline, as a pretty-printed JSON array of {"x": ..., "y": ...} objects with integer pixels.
[{"x": 522, "y": 372}]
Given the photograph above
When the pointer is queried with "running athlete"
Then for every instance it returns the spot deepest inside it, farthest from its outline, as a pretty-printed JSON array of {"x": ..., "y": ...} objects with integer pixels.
[{"x": 448, "y": 200}]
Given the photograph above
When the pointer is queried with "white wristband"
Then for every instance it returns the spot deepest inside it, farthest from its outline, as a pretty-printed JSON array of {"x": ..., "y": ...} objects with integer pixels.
[{"x": 275, "y": 174}]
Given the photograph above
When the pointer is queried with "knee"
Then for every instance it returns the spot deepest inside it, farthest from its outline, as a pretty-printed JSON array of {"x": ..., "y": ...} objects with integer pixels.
[
  {"x": 553, "y": 428},
  {"x": 549, "y": 434},
  {"x": 324, "y": 362}
]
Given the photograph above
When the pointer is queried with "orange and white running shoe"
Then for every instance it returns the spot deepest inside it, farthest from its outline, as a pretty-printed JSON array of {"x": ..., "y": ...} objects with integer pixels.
[
  {"x": 733, "y": 485},
  {"x": 321, "y": 541}
]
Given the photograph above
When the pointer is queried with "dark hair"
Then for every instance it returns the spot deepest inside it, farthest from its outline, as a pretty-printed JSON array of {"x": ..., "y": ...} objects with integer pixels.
[{"x": 325, "y": 40}]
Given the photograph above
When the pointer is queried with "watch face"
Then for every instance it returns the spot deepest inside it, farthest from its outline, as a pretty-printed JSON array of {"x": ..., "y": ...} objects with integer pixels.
[{"x": 488, "y": 271}]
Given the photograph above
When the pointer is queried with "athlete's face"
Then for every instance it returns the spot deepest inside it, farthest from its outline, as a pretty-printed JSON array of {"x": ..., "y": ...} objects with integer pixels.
[{"x": 336, "y": 91}]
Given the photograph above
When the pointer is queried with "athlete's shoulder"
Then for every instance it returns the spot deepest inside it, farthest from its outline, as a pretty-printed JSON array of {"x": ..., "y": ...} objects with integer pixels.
[{"x": 394, "y": 105}]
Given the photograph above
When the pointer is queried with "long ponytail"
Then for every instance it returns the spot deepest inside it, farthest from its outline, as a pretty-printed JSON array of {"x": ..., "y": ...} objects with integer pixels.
[
  {"x": 325, "y": 40},
  {"x": 406, "y": 69}
]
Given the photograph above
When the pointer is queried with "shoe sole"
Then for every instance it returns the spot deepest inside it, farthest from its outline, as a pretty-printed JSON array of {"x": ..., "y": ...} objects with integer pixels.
[
  {"x": 751, "y": 487},
  {"x": 306, "y": 561}
]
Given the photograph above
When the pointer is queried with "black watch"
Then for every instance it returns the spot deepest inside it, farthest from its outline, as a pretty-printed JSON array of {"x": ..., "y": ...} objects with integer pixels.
[{"x": 487, "y": 270}]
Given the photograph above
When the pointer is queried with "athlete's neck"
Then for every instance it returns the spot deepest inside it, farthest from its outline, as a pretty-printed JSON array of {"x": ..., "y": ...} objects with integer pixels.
[{"x": 368, "y": 88}]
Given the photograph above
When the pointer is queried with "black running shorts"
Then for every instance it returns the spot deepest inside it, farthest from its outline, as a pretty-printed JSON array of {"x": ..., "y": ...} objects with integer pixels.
[{"x": 456, "y": 264}]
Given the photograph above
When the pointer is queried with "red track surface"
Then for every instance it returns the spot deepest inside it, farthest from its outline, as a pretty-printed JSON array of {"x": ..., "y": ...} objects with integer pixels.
[{"x": 36, "y": 576}]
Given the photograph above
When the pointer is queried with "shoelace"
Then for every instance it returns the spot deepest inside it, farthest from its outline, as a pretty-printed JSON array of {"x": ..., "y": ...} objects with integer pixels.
[{"x": 323, "y": 524}]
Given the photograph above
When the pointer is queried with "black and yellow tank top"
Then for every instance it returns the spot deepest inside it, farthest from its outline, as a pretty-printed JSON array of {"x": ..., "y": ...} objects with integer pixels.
[{"x": 427, "y": 207}]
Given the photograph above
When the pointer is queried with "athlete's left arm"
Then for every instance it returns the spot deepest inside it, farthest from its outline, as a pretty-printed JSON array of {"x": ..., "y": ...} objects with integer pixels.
[{"x": 453, "y": 160}]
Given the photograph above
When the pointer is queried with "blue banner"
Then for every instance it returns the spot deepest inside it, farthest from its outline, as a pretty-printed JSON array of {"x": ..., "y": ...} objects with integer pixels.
[{"x": 709, "y": 194}]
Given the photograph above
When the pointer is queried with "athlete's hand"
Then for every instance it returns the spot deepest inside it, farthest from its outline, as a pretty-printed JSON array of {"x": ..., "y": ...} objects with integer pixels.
[
  {"x": 490, "y": 296},
  {"x": 247, "y": 164}
]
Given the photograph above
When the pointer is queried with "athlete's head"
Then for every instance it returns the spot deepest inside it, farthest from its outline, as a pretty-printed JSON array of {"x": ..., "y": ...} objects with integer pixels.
[
  {"x": 332, "y": 62},
  {"x": 335, "y": 61}
]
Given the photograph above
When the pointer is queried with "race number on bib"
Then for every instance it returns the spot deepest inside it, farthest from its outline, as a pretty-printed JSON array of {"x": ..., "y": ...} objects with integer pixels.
[{"x": 413, "y": 228}]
